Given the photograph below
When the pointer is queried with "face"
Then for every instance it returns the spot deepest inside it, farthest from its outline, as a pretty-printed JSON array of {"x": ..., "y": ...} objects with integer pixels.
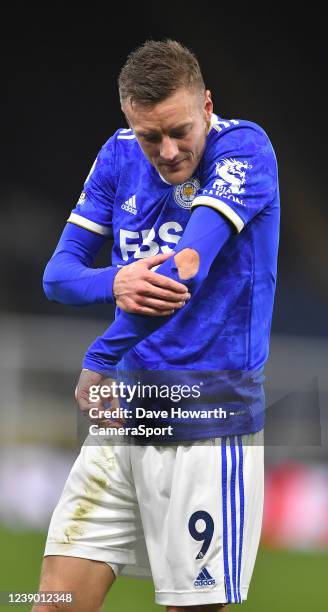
[{"x": 172, "y": 133}]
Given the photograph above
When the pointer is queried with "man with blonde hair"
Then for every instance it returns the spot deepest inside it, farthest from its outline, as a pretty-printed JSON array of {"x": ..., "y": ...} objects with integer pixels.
[{"x": 196, "y": 195}]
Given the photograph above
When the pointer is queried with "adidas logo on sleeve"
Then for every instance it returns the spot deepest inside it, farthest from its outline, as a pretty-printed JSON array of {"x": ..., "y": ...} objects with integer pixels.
[{"x": 130, "y": 205}]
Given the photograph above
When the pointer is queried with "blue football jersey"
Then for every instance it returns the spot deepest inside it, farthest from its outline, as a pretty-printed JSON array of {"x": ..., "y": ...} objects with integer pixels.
[{"x": 226, "y": 325}]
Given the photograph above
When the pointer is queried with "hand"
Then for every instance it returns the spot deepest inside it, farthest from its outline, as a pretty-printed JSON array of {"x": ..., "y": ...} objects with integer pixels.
[
  {"x": 87, "y": 379},
  {"x": 139, "y": 290}
]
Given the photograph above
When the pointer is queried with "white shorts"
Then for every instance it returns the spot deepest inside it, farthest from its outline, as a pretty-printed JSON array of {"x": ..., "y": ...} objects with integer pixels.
[{"x": 187, "y": 515}]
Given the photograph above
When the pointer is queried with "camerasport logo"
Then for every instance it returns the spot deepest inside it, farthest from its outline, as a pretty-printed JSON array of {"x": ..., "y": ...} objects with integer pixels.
[{"x": 185, "y": 193}]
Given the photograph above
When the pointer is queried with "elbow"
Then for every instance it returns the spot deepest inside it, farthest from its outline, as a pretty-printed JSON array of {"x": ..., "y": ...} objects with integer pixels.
[
  {"x": 50, "y": 282},
  {"x": 187, "y": 262},
  {"x": 188, "y": 267}
]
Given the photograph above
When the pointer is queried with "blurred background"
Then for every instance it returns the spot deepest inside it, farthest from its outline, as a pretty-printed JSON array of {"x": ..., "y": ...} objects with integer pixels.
[{"x": 61, "y": 106}]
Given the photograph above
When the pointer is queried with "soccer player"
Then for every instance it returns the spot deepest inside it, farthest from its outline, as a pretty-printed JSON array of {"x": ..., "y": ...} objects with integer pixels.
[{"x": 197, "y": 195}]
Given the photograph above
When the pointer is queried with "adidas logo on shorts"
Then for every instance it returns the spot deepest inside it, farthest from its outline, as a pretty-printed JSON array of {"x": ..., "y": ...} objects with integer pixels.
[
  {"x": 204, "y": 578},
  {"x": 130, "y": 205}
]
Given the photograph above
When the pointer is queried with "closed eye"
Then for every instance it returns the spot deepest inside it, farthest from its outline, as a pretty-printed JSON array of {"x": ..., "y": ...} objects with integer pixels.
[
  {"x": 151, "y": 137},
  {"x": 179, "y": 134}
]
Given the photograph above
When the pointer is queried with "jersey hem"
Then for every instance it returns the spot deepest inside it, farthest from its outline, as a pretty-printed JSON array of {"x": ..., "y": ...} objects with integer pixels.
[
  {"x": 66, "y": 549},
  {"x": 211, "y": 435},
  {"x": 190, "y": 598}
]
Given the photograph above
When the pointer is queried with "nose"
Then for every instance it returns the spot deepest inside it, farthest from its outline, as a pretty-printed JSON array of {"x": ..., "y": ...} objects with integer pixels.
[{"x": 168, "y": 149}]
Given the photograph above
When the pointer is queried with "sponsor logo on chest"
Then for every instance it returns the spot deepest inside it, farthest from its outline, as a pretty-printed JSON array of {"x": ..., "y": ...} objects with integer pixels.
[{"x": 149, "y": 242}]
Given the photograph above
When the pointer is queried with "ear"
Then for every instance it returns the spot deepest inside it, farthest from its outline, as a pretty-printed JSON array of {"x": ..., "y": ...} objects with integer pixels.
[{"x": 208, "y": 105}]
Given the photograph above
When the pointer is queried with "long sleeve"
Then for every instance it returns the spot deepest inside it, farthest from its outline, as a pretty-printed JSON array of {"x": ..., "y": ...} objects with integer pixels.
[
  {"x": 206, "y": 232},
  {"x": 69, "y": 277}
]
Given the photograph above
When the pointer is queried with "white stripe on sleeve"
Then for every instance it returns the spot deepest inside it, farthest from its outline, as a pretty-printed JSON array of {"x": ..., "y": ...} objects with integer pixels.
[
  {"x": 89, "y": 225},
  {"x": 221, "y": 207}
]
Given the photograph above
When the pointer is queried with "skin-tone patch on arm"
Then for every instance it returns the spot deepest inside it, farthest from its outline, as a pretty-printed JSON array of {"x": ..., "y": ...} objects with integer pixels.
[{"x": 187, "y": 262}]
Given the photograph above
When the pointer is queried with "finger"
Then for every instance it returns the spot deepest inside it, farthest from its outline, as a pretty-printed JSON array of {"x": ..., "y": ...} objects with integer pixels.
[
  {"x": 108, "y": 423},
  {"x": 164, "y": 282},
  {"x": 85, "y": 407},
  {"x": 84, "y": 403},
  {"x": 155, "y": 260},
  {"x": 158, "y": 293},
  {"x": 111, "y": 423},
  {"x": 160, "y": 305},
  {"x": 97, "y": 415}
]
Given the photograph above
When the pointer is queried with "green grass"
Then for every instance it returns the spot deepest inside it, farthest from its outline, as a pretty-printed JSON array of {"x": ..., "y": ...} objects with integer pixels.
[{"x": 284, "y": 581}]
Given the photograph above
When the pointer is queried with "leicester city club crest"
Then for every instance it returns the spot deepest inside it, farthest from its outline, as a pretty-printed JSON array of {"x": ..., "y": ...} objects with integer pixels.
[{"x": 185, "y": 193}]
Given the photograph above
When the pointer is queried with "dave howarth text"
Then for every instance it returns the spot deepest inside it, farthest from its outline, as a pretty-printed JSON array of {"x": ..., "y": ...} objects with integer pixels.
[{"x": 179, "y": 413}]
